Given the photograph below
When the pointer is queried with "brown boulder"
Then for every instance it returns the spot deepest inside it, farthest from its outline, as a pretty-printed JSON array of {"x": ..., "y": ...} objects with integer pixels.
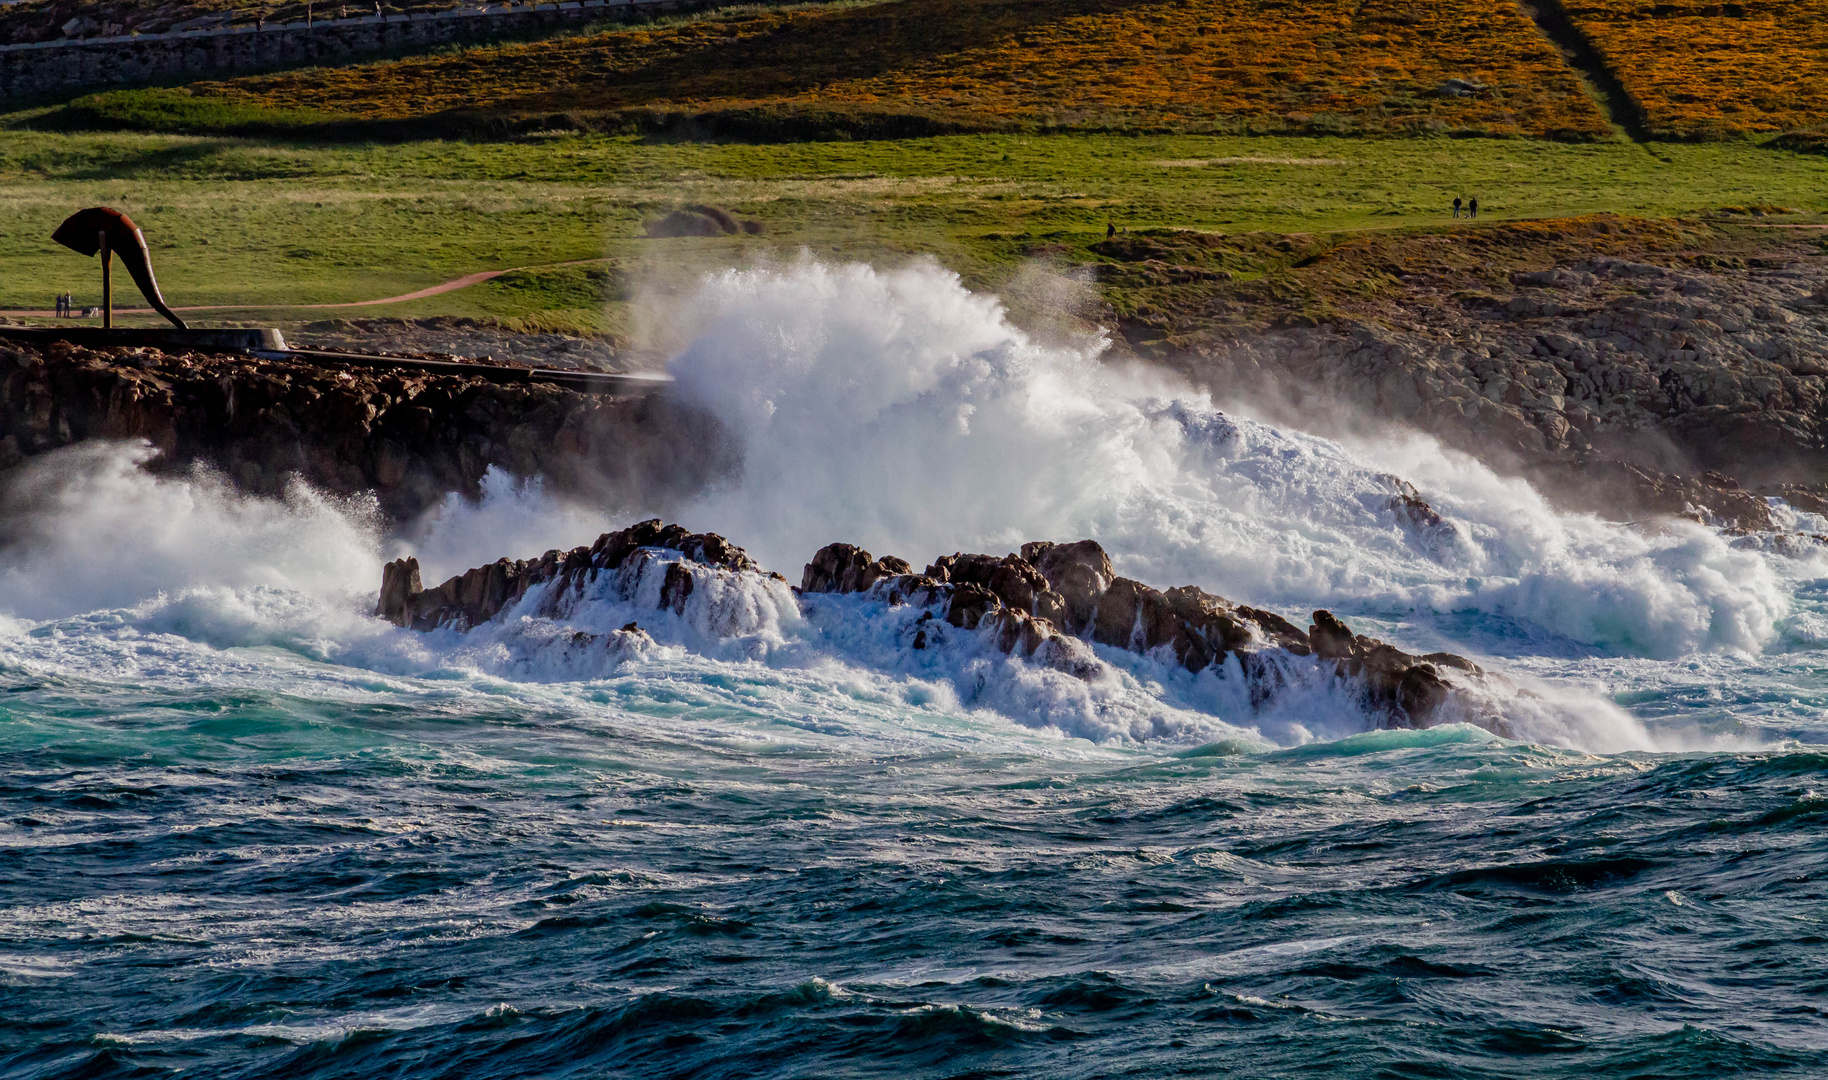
[
  {"x": 969, "y": 604},
  {"x": 1329, "y": 638},
  {"x": 1080, "y": 572},
  {"x": 846, "y": 568},
  {"x": 1131, "y": 615},
  {"x": 1017, "y": 583},
  {"x": 399, "y": 584}
]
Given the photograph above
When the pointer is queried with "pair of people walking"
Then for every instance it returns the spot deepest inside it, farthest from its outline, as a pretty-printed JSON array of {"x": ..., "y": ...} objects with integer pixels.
[
  {"x": 65, "y": 305},
  {"x": 1471, "y": 209}
]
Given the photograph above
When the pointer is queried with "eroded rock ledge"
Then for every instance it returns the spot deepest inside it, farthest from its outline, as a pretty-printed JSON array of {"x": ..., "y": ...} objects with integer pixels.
[
  {"x": 1628, "y": 367},
  {"x": 1049, "y": 604},
  {"x": 476, "y": 596},
  {"x": 409, "y": 437}
]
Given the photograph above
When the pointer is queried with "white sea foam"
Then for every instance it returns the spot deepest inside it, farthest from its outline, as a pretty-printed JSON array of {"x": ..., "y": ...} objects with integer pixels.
[
  {"x": 87, "y": 528},
  {"x": 899, "y": 410},
  {"x": 513, "y": 517}
]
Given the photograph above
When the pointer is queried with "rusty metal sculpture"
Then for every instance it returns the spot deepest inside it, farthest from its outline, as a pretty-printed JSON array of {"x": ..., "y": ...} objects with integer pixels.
[{"x": 104, "y": 229}]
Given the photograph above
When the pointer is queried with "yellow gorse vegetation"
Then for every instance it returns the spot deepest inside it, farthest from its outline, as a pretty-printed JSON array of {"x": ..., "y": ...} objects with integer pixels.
[
  {"x": 1254, "y": 65},
  {"x": 1699, "y": 68}
]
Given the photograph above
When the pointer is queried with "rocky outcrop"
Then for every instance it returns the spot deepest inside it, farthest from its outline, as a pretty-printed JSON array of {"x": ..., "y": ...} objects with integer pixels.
[
  {"x": 1048, "y": 605},
  {"x": 409, "y": 437},
  {"x": 1617, "y": 363},
  {"x": 478, "y": 595},
  {"x": 1053, "y": 590},
  {"x": 846, "y": 568},
  {"x": 1411, "y": 683}
]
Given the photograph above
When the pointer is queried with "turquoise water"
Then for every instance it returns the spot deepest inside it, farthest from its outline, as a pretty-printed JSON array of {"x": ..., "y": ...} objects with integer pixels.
[{"x": 678, "y": 872}]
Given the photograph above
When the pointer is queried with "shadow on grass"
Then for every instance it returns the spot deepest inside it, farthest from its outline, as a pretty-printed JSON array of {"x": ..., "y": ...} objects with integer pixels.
[{"x": 173, "y": 111}]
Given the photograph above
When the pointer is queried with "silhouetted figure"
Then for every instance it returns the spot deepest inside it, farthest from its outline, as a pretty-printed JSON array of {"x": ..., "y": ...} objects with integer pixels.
[
  {"x": 60, "y": 305},
  {"x": 1456, "y": 207},
  {"x": 81, "y": 232},
  {"x": 1110, "y": 229},
  {"x": 1472, "y": 208}
]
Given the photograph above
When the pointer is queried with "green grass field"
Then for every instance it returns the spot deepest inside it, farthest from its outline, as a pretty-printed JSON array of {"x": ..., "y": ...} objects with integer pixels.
[{"x": 255, "y": 223}]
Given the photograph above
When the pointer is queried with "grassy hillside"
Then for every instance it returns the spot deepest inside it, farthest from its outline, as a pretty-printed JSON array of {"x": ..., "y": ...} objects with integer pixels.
[
  {"x": 1358, "y": 66},
  {"x": 257, "y": 223},
  {"x": 1700, "y": 68}
]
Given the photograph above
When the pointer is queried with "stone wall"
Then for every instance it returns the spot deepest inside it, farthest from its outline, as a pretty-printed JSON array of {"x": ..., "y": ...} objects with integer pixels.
[{"x": 49, "y": 68}]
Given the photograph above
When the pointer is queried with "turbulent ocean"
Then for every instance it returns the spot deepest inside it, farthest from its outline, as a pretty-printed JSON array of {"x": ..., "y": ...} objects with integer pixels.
[{"x": 248, "y": 830}]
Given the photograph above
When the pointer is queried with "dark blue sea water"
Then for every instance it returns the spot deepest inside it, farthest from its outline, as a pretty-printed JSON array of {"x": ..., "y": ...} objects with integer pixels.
[
  {"x": 376, "y": 884},
  {"x": 248, "y": 831}
]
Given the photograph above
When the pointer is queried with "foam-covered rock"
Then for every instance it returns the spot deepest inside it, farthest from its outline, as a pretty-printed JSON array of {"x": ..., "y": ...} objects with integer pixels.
[
  {"x": 1048, "y": 605},
  {"x": 1054, "y": 592},
  {"x": 478, "y": 595}
]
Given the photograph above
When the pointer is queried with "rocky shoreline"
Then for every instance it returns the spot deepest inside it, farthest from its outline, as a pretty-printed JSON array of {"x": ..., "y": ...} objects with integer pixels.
[
  {"x": 1628, "y": 367},
  {"x": 1049, "y": 605},
  {"x": 408, "y": 437}
]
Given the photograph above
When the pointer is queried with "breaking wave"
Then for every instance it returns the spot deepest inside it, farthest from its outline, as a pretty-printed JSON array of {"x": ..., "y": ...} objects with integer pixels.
[{"x": 901, "y": 411}]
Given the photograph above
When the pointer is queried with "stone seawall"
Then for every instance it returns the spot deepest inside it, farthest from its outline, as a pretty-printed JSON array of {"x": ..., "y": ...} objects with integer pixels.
[{"x": 48, "y": 68}]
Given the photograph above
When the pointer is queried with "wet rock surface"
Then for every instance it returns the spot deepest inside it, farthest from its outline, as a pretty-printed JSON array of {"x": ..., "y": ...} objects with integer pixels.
[
  {"x": 408, "y": 437},
  {"x": 1052, "y": 592},
  {"x": 1048, "y": 605},
  {"x": 478, "y": 595}
]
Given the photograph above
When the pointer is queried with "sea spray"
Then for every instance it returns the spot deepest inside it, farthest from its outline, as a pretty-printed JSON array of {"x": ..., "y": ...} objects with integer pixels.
[
  {"x": 899, "y": 410},
  {"x": 87, "y": 528}
]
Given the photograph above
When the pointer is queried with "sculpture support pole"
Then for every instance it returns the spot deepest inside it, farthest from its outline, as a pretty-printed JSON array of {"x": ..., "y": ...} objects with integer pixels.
[{"x": 107, "y": 284}]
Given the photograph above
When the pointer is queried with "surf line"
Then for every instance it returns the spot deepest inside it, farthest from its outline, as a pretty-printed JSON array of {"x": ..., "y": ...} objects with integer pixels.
[{"x": 452, "y": 285}]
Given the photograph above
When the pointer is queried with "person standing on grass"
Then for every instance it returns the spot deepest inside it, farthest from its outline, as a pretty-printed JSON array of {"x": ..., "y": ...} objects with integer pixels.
[
  {"x": 1110, "y": 229},
  {"x": 1472, "y": 208},
  {"x": 1456, "y": 207}
]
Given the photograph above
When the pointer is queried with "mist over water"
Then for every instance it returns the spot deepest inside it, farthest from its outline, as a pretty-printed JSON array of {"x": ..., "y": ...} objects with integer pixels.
[{"x": 254, "y": 831}]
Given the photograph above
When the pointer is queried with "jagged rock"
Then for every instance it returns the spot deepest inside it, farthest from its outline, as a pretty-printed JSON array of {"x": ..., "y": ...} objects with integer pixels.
[
  {"x": 1392, "y": 679},
  {"x": 1610, "y": 366},
  {"x": 399, "y": 584},
  {"x": 409, "y": 437},
  {"x": 1079, "y": 572},
  {"x": 969, "y": 604},
  {"x": 1329, "y": 638},
  {"x": 1003, "y": 596},
  {"x": 478, "y": 595},
  {"x": 847, "y": 568},
  {"x": 1012, "y": 579}
]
